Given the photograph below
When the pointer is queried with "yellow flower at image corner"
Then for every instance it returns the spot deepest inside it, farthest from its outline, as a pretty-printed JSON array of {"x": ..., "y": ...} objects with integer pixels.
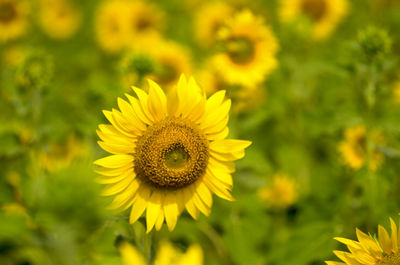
[
  {"x": 119, "y": 23},
  {"x": 353, "y": 149},
  {"x": 167, "y": 254},
  {"x": 13, "y": 19},
  {"x": 59, "y": 19},
  {"x": 371, "y": 251},
  {"x": 324, "y": 15},
  {"x": 59, "y": 155},
  {"x": 208, "y": 21},
  {"x": 169, "y": 153},
  {"x": 250, "y": 49},
  {"x": 281, "y": 194}
]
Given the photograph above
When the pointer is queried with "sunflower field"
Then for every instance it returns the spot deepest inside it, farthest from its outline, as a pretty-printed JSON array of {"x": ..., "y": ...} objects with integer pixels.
[{"x": 199, "y": 132}]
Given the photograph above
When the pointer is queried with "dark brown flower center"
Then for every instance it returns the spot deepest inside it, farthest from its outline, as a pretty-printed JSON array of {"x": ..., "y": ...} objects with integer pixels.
[
  {"x": 240, "y": 50},
  {"x": 314, "y": 9},
  {"x": 143, "y": 23},
  {"x": 8, "y": 12},
  {"x": 171, "y": 154}
]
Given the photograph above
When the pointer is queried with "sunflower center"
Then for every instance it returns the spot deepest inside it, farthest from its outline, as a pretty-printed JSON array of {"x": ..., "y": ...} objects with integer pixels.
[
  {"x": 142, "y": 24},
  {"x": 314, "y": 9},
  {"x": 177, "y": 157},
  {"x": 361, "y": 144},
  {"x": 171, "y": 154},
  {"x": 7, "y": 12},
  {"x": 392, "y": 259},
  {"x": 240, "y": 50}
]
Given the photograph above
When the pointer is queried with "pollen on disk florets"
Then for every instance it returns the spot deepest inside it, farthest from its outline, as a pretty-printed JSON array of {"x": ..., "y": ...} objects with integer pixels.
[
  {"x": 171, "y": 154},
  {"x": 390, "y": 259}
]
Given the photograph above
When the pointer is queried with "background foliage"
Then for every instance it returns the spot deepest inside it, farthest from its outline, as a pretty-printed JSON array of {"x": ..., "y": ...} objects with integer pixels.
[{"x": 51, "y": 208}]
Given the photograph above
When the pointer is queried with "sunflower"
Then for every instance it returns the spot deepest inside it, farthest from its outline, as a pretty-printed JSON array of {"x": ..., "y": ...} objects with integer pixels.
[
  {"x": 59, "y": 19},
  {"x": 209, "y": 20},
  {"x": 353, "y": 148},
  {"x": 370, "y": 251},
  {"x": 161, "y": 61},
  {"x": 281, "y": 194},
  {"x": 249, "y": 52},
  {"x": 245, "y": 98},
  {"x": 119, "y": 23},
  {"x": 167, "y": 254},
  {"x": 146, "y": 20},
  {"x": 171, "y": 60},
  {"x": 13, "y": 19},
  {"x": 168, "y": 154},
  {"x": 324, "y": 15}
]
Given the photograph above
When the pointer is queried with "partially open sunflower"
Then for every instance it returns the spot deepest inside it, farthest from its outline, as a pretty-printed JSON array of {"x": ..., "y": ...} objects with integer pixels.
[{"x": 169, "y": 153}]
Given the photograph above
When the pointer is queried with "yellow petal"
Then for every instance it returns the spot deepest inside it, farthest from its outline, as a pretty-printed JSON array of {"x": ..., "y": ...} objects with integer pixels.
[
  {"x": 153, "y": 209},
  {"x": 348, "y": 242},
  {"x": 215, "y": 116},
  {"x": 384, "y": 240},
  {"x": 114, "y": 161},
  {"x": 117, "y": 148},
  {"x": 159, "y": 221},
  {"x": 215, "y": 100},
  {"x": 189, "y": 204},
  {"x": 334, "y": 263},
  {"x": 157, "y": 101},
  {"x": 111, "y": 131},
  {"x": 227, "y": 166},
  {"x": 198, "y": 202},
  {"x": 125, "y": 198},
  {"x": 172, "y": 102},
  {"x": 138, "y": 109},
  {"x": 220, "y": 191},
  {"x": 115, "y": 188},
  {"x": 368, "y": 243},
  {"x": 394, "y": 238},
  {"x": 113, "y": 172},
  {"x": 130, "y": 115},
  {"x": 111, "y": 135},
  {"x": 227, "y": 156},
  {"x": 347, "y": 258},
  {"x": 171, "y": 210},
  {"x": 221, "y": 175},
  {"x": 219, "y": 135},
  {"x": 143, "y": 101},
  {"x": 140, "y": 203},
  {"x": 204, "y": 193},
  {"x": 217, "y": 127},
  {"x": 118, "y": 124},
  {"x": 113, "y": 179},
  {"x": 229, "y": 145}
]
